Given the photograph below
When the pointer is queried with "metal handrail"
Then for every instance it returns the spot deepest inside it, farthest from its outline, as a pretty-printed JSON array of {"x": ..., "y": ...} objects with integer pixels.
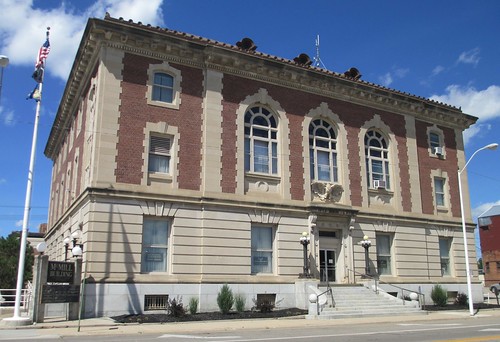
[
  {"x": 328, "y": 289},
  {"x": 377, "y": 281}
]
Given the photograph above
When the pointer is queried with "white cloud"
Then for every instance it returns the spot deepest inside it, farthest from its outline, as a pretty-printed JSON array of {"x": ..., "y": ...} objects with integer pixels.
[
  {"x": 483, "y": 207},
  {"x": 19, "y": 223},
  {"x": 7, "y": 117},
  {"x": 469, "y": 57},
  {"x": 386, "y": 79},
  {"x": 485, "y": 104},
  {"x": 474, "y": 130},
  {"x": 23, "y": 27},
  {"x": 437, "y": 70}
]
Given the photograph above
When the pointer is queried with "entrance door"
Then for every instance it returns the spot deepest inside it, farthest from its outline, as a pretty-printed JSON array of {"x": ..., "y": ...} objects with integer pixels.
[{"x": 327, "y": 265}]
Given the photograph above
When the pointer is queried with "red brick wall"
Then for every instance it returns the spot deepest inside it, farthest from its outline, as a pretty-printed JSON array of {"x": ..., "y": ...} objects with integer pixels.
[
  {"x": 490, "y": 238},
  {"x": 135, "y": 112},
  {"x": 427, "y": 163},
  {"x": 296, "y": 105}
]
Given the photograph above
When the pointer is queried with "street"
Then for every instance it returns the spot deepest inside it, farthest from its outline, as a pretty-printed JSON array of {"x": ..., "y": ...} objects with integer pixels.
[{"x": 482, "y": 328}]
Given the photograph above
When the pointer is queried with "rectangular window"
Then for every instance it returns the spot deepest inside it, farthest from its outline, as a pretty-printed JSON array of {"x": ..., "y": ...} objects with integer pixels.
[
  {"x": 163, "y": 87},
  {"x": 439, "y": 191},
  {"x": 262, "y": 250},
  {"x": 159, "y": 155},
  {"x": 154, "y": 245},
  {"x": 487, "y": 267},
  {"x": 434, "y": 140},
  {"x": 444, "y": 254},
  {"x": 384, "y": 254}
]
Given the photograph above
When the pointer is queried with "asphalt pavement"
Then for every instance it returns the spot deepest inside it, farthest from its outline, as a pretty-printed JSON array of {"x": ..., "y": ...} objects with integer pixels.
[{"x": 107, "y": 326}]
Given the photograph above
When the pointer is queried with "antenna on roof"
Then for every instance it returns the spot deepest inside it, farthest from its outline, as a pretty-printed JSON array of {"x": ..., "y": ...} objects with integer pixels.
[{"x": 317, "y": 60}]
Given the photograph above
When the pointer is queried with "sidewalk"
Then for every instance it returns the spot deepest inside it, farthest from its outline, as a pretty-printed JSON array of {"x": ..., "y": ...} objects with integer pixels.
[{"x": 106, "y": 326}]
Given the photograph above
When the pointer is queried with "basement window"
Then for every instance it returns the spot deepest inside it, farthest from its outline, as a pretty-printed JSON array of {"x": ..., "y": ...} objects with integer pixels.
[{"x": 155, "y": 302}]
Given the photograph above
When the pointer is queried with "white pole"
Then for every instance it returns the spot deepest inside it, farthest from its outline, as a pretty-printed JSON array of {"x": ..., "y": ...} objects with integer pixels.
[
  {"x": 464, "y": 230},
  {"x": 466, "y": 249},
  {"x": 27, "y": 208},
  {"x": 4, "y": 61}
]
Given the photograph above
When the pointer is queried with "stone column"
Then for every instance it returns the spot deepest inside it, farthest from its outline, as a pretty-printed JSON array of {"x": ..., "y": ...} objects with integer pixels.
[
  {"x": 73, "y": 307},
  {"x": 40, "y": 279}
]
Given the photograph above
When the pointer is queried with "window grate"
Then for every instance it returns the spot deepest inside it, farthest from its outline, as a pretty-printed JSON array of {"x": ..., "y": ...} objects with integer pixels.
[{"x": 155, "y": 302}]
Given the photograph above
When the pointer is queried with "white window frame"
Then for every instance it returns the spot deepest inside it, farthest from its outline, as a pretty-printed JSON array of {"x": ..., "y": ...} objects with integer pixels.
[
  {"x": 372, "y": 158},
  {"x": 157, "y": 151},
  {"x": 253, "y": 141},
  {"x": 259, "y": 252},
  {"x": 439, "y": 191},
  {"x": 435, "y": 139},
  {"x": 164, "y": 68},
  {"x": 149, "y": 248},
  {"x": 323, "y": 144},
  {"x": 445, "y": 255},
  {"x": 385, "y": 256}
]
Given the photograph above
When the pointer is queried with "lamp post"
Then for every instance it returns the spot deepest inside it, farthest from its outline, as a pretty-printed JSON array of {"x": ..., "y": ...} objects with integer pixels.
[
  {"x": 304, "y": 241},
  {"x": 366, "y": 243},
  {"x": 464, "y": 231},
  {"x": 76, "y": 250}
]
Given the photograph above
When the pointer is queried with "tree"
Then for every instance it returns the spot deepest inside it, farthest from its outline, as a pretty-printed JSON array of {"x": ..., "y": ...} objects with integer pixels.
[
  {"x": 480, "y": 265},
  {"x": 9, "y": 261}
]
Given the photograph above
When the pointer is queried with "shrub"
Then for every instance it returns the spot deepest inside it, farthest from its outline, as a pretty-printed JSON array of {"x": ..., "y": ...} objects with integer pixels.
[
  {"x": 439, "y": 295},
  {"x": 175, "y": 307},
  {"x": 462, "y": 299},
  {"x": 193, "y": 305},
  {"x": 239, "y": 302},
  {"x": 225, "y": 299}
]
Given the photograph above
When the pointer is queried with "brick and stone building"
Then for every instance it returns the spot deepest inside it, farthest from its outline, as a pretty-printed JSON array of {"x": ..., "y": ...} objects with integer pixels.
[
  {"x": 184, "y": 163},
  {"x": 489, "y": 235}
]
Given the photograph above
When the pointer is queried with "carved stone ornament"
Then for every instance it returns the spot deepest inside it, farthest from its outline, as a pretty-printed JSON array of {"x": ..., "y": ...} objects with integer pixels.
[{"x": 327, "y": 192}]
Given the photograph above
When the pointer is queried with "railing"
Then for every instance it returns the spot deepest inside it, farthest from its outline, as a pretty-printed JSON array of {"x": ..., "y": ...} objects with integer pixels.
[
  {"x": 8, "y": 297},
  {"x": 378, "y": 281},
  {"x": 328, "y": 290}
]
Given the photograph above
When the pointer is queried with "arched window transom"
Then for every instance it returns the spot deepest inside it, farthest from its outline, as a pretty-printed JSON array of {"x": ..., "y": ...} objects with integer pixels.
[
  {"x": 323, "y": 151},
  {"x": 377, "y": 160},
  {"x": 261, "y": 141}
]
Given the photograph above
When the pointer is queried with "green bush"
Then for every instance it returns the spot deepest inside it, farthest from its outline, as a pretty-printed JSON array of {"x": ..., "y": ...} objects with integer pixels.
[
  {"x": 225, "y": 299},
  {"x": 193, "y": 305},
  {"x": 239, "y": 302},
  {"x": 439, "y": 295},
  {"x": 461, "y": 299},
  {"x": 175, "y": 307}
]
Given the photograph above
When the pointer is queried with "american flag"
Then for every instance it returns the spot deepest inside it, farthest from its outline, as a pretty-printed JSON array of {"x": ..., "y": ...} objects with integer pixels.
[{"x": 42, "y": 53}]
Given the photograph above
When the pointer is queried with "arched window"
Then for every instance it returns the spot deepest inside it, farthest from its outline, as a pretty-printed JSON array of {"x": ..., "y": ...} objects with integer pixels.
[
  {"x": 377, "y": 160},
  {"x": 323, "y": 151},
  {"x": 261, "y": 141},
  {"x": 163, "y": 87}
]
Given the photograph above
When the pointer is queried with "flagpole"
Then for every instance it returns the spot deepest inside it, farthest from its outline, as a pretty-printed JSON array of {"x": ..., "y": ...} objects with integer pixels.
[{"x": 17, "y": 319}]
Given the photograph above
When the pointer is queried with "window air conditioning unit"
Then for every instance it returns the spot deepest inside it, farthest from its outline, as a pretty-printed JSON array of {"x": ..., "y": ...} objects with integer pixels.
[
  {"x": 379, "y": 184},
  {"x": 438, "y": 151}
]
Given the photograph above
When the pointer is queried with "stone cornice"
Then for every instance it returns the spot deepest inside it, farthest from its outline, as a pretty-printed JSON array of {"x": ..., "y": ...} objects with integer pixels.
[{"x": 198, "y": 52}]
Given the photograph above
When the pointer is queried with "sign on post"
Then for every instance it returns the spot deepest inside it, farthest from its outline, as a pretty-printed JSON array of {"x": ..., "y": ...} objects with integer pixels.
[{"x": 61, "y": 272}]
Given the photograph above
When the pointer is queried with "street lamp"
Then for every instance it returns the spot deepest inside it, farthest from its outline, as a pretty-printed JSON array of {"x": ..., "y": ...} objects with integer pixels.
[
  {"x": 304, "y": 241},
  {"x": 76, "y": 250},
  {"x": 464, "y": 231},
  {"x": 366, "y": 243}
]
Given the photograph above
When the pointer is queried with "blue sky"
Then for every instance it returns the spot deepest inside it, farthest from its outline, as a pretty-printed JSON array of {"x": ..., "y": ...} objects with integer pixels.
[{"x": 445, "y": 50}]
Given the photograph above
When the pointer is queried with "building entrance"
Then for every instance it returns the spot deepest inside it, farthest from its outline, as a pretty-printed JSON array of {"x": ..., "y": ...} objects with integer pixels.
[{"x": 327, "y": 259}]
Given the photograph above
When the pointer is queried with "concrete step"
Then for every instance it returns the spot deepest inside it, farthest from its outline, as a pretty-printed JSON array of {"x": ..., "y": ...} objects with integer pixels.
[{"x": 359, "y": 301}]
